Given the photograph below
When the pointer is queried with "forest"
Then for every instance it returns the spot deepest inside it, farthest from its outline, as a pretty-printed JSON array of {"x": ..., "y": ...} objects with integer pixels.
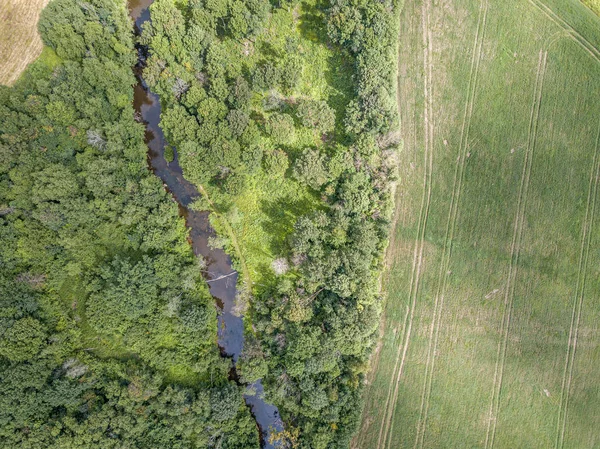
[{"x": 283, "y": 114}]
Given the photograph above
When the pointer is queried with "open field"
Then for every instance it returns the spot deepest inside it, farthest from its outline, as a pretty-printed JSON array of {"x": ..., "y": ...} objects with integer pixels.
[
  {"x": 491, "y": 331},
  {"x": 20, "y": 42}
]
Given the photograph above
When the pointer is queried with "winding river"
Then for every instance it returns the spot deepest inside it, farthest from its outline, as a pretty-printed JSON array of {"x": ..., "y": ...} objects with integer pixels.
[{"x": 221, "y": 276}]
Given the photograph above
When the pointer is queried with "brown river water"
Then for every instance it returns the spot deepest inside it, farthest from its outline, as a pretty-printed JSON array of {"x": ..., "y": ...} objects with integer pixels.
[{"x": 218, "y": 263}]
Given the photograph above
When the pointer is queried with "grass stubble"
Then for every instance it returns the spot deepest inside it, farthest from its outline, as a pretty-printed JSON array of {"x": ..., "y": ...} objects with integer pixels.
[{"x": 20, "y": 42}]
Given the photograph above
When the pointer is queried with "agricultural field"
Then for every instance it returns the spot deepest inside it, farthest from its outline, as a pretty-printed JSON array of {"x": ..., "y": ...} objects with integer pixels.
[
  {"x": 20, "y": 42},
  {"x": 491, "y": 329}
]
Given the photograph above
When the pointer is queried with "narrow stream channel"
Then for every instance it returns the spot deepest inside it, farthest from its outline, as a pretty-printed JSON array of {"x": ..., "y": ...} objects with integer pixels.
[{"x": 218, "y": 263}]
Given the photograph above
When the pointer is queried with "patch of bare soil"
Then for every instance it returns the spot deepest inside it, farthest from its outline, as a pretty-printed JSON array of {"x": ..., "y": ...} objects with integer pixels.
[{"x": 20, "y": 43}]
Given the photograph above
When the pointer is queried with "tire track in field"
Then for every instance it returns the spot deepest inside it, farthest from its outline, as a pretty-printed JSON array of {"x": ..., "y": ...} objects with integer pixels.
[
  {"x": 586, "y": 233},
  {"x": 571, "y": 32},
  {"x": 20, "y": 41},
  {"x": 515, "y": 250},
  {"x": 391, "y": 399},
  {"x": 451, "y": 225}
]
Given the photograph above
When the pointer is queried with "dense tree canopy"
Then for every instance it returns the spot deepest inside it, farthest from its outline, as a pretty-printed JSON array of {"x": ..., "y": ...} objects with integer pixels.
[
  {"x": 107, "y": 328},
  {"x": 246, "y": 118}
]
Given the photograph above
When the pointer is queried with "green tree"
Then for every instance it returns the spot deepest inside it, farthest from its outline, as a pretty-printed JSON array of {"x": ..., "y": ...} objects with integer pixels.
[
  {"x": 238, "y": 120},
  {"x": 281, "y": 128},
  {"x": 317, "y": 115},
  {"x": 310, "y": 168},
  {"x": 266, "y": 76},
  {"x": 22, "y": 339},
  {"x": 252, "y": 364},
  {"x": 276, "y": 163},
  {"x": 124, "y": 293}
]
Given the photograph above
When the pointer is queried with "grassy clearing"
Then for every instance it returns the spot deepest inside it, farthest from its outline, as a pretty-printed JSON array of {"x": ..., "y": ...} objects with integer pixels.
[
  {"x": 20, "y": 42},
  {"x": 491, "y": 335},
  {"x": 264, "y": 215}
]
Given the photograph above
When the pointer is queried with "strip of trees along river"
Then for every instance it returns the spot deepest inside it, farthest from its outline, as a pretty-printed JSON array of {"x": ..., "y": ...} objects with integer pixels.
[{"x": 109, "y": 329}]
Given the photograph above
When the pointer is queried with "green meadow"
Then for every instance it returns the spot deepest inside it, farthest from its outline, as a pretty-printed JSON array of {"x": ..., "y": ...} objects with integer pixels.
[{"x": 491, "y": 330}]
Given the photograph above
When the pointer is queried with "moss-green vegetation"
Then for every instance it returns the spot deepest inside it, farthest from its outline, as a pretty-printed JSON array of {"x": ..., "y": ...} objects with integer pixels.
[
  {"x": 594, "y": 5},
  {"x": 108, "y": 332},
  {"x": 490, "y": 334},
  {"x": 283, "y": 115}
]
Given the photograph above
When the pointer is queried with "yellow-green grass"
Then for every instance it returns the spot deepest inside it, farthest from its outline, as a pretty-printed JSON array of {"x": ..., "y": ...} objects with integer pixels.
[
  {"x": 264, "y": 215},
  {"x": 594, "y": 5},
  {"x": 264, "y": 218},
  {"x": 20, "y": 43},
  {"x": 491, "y": 332}
]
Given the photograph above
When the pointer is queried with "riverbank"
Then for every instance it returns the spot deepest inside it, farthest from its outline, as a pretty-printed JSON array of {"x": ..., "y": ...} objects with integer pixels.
[{"x": 220, "y": 276}]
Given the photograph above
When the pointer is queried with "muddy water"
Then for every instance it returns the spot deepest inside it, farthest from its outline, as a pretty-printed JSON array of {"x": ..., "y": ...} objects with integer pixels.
[{"x": 220, "y": 275}]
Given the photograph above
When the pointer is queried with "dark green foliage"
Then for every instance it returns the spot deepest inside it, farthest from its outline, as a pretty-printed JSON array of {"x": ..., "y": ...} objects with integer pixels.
[
  {"x": 310, "y": 168},
  {"x": 266, "y": 76},
  {"x": 238, "y": 121},
  {"x": 276, "y": 163},
  {"x": 240, "y": 93},
  {"x": 123, "y": 295},
  {"x": 317, "y": 115},
  {"x": 225, "y": 403},
  {"x": 291, "y": 72},
  {"x": 252, "y": 364},
  {"x": 251, "y": 158},
  {"x": 336, "y": 251},
  {"x": 77, "y": 30},
  {"x": 107, "y": 330},
  {"x": 354, "y": 193},
  {"x": 281, "y": 128},
  {"x": 368, "y": 30},
  {"x": 22, "y": 339}
]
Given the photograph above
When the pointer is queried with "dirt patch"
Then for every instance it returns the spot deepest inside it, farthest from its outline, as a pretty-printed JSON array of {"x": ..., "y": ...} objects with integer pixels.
[{"x": 20, "y": 43}]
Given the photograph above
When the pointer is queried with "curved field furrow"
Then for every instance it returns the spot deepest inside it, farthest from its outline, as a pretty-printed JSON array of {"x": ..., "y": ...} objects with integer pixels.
[
  {"x": 572, "y": 33},
  {"x": 514, "y": 252},
  {"x": 586, "y": 233},
  {"x": 451, "y": 224}
]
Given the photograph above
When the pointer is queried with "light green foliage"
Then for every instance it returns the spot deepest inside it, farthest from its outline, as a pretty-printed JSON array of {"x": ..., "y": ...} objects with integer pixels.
[
  {"x": 169, "y": 154},
  {"x": 594, "y": 5}
]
